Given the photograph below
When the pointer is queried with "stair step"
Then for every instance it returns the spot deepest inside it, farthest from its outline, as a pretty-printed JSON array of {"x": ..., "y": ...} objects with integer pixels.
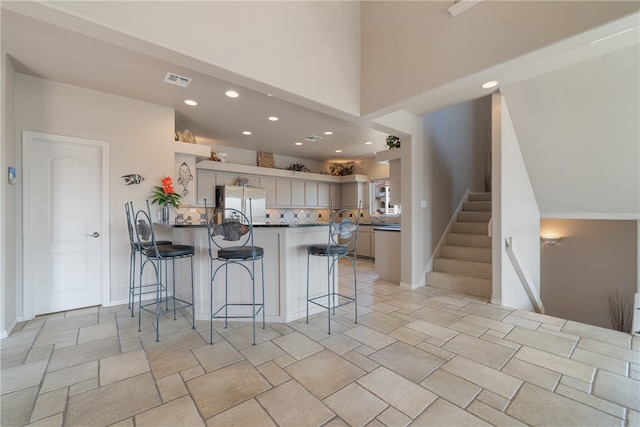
[
  {"x": 479, "y": 270},
  {"x": 481, "y": 206},
  {"x": 477, "y": 197},
  {"x": 463, "y": 253},
  {"x": 474, "y": 216},
  {"x": 466, "y": 285},
  {"x": 481, "y": 228},
  {"x": 469, "y": 240}
]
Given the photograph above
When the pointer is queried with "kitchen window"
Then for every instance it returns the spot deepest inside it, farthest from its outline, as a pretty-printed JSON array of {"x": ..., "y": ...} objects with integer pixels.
[{"x": 380, "y": 192}]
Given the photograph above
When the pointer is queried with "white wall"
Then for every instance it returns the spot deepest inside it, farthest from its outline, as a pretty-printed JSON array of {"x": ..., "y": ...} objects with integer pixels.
[
  {"x": 411, "y": 47},
  {"x": 308, "y": 49},
  {"x": 594, "y": 258},
  {"x": 580, "y": 137},
  {"x": 515, "y": 214},
  {"x": 8, "y": 203},
  {"x": 140, "y": 137}
]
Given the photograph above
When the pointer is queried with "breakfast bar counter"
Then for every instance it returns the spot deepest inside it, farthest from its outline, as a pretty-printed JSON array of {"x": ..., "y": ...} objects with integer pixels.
[{"x": 285, "y": 269}]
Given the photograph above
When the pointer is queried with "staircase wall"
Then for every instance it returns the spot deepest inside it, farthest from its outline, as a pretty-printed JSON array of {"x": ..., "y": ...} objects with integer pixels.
[{"x": 515, "y": 214}]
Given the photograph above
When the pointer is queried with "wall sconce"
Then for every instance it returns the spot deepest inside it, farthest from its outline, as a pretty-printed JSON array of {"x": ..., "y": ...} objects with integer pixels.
[{"x": 550, "y": 240}]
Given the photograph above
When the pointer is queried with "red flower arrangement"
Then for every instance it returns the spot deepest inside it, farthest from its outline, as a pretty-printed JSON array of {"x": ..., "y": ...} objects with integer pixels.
[{"x": 166, "y": 195}]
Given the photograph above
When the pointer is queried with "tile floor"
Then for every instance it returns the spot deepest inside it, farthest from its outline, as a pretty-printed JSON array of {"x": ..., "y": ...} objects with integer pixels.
[{"x": 422, "y": 357}]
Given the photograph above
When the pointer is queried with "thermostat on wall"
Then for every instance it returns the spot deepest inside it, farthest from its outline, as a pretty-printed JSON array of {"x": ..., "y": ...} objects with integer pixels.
[{"x": 12, "y": 175}]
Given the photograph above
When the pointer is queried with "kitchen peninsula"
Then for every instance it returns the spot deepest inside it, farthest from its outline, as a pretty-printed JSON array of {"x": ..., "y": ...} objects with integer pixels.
[{"x": 285, "y": 269}]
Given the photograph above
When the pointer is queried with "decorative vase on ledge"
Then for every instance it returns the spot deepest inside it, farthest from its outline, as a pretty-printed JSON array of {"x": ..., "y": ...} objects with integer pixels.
[{"x": 165, "y": 214}]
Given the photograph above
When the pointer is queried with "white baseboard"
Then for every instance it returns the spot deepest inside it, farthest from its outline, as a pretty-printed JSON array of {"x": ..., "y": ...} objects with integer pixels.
[{"x": 6, "y": 332}]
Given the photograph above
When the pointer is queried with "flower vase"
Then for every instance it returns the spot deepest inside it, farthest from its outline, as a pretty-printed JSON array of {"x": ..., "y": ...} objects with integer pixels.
[{"x": 165, "y": 214}]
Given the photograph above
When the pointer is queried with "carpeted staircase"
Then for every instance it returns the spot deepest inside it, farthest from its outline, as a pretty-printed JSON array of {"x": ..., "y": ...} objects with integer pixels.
[{"x": 464, "y": 264}]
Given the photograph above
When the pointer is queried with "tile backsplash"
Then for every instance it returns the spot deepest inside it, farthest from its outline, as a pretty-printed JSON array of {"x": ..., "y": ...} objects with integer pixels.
[{"x": 196, "y": 215}]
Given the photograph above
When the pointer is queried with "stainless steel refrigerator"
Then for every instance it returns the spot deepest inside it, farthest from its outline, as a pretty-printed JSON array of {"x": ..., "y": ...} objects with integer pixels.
[{"x": 238, "y": 197}]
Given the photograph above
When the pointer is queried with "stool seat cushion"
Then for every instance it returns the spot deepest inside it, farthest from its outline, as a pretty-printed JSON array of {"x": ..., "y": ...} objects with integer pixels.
[
  {"x": 139, "y": 246},
  {"x": 326, "y": 250},
  {"x": 171, "y": 251},
  {"x": 241, "y": 252}
]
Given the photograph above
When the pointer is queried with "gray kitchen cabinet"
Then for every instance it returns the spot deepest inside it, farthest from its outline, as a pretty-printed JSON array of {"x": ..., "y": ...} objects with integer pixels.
[
  {"x": 310, "y": 194},
  {"x": 223, "y": 178},
  {"x": 373, "y": 243},
  {"x": 297, "y": 193},
  {"x": 205, "y": 186},
  {"x": 335, "y": 195},
  {"x": 364, "y": 241},
  {"x": 283, "y": 192},
  {"x": 269, "y": 185},
  {"x": 323, "y": 194},
  {"x": 351, "y": 194}
]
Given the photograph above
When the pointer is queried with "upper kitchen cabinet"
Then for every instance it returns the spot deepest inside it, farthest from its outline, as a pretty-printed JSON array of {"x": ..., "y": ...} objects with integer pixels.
[
  {"x": 297, "y": 193},
  {"x": 353, "y": 194},
  {"x": 284, "y": 188},
  {"x": 283, "y": 192},
  {"x": 269, "y": 185},
  {"x": 206, "y": 183},
  {"x": 323, "y": 194},
  {"x": 311, "y": 194},
  {"x": 335, "y": 195}
]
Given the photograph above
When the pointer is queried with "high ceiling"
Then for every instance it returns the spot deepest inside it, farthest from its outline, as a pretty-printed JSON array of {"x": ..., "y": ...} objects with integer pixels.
[
  {"x": 54, "y": 53},
  {"x": 561, "y": 100}
]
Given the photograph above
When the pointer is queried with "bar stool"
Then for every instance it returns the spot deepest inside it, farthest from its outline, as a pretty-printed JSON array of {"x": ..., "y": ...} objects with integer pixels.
[
  {"x": 153, "y": 255},
  {"x": 342, "y": 242},
  {"x": 135, "y": 255},
  {"x": 236, "y": 227}
]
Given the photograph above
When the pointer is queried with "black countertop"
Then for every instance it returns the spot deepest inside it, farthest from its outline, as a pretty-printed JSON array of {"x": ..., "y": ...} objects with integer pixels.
[
  {"x": 377, "y": 226},
  {"x": 270, "y": 225}
]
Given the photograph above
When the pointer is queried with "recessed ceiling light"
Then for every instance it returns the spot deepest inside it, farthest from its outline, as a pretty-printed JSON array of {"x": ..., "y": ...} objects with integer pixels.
[
  {"x": 232, "y": 94},
  {"x": 338, "y": 151},
  {"x": 246, "y": 132},
  {"x": 490, "y": 84},
  {"x": 298, "y": 143},
  {"x": 328, "y": 132},
  {"x": 273, "y": 118},
  {"x": 190, "y": 102},
  {"x": 368, "y": 143}
]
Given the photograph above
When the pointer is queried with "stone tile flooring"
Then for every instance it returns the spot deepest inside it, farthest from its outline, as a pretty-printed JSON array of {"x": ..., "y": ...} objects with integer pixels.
[{"x": 422, "y": 357}]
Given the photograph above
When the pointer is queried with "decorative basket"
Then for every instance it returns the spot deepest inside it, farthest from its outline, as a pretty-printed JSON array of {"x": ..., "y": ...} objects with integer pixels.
[{"x": 265, "y": 160}]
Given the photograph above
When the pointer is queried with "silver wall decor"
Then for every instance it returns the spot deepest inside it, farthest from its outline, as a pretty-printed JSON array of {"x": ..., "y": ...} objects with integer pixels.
[{"x": 132, "y": 178}]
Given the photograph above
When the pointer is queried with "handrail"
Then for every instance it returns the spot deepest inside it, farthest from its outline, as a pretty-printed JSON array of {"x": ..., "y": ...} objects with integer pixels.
[{"x": 526, "y": 284}]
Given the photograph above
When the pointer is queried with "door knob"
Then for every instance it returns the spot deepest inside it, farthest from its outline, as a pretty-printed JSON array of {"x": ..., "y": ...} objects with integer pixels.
[{"x": 94, "y": 234}]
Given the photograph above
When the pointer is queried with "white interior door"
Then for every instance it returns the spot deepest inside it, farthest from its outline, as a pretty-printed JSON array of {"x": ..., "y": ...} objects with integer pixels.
[{"x": 67, "y": 256}]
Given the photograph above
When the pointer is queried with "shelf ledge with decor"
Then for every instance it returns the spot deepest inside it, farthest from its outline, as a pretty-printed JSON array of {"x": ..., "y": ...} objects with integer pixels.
[
  {"x": 277, "y": 173},
  {"x": 388, "y": 155},
  {"x": 201, "y": 152}
]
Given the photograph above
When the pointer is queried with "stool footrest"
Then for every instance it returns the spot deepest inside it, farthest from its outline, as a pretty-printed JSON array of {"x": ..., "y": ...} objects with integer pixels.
[
  {"x": 349, "y": 300},
  {"x": 183, "y": 304},
  {"x": 259, "y": 307}
]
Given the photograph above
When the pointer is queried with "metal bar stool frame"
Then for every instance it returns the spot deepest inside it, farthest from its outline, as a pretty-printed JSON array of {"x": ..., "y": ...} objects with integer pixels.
[
  {"x": 244, "y": 252},
  {"x": 153, "y": 256},
  {"x": 342, "y": 242},
  {"x": 135, "y": 257}
]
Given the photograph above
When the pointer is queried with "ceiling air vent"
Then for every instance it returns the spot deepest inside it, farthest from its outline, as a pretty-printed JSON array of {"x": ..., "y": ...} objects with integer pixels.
[
  {"x": 176, "y": 79},
  {"x": 313, "y": 138}
]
